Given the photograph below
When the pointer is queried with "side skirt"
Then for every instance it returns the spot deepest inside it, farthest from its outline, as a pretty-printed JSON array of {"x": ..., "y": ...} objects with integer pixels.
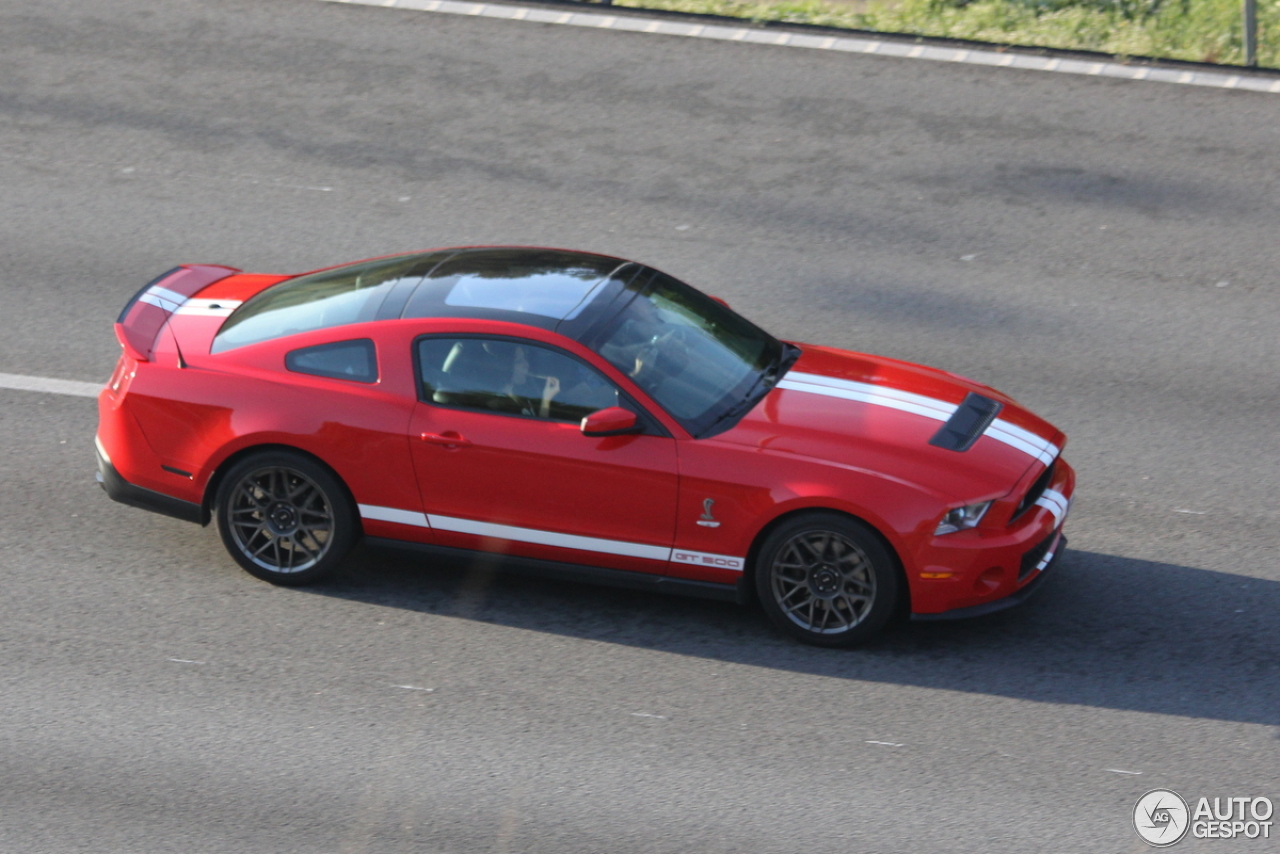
[{"x": 572, "y": 571}]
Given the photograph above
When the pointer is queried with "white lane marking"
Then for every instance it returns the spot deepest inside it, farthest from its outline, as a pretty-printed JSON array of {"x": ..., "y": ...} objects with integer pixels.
[
  {"x": 1012, "y": 435},
  {"x": 1193, "y": 512},
  {"x": 49, "y": 385},
  {"x": 415, "y": 688},
  {"x": 1120, "y": 771},
  {"x": 1001, "y": 59},
  {"x": 646, "y": 715},
  {"x": 548, "y": 538},
  {"x": 887, "y": 743},
  {"x": 186, "y": 661}
]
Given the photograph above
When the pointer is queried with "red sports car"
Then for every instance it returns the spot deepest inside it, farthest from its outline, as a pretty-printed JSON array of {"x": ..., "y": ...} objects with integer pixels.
[{"x": 587, "y": 417}]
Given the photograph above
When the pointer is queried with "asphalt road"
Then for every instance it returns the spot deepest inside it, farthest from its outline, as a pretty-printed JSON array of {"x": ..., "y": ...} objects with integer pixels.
[{"x": 1104, "y": 251}]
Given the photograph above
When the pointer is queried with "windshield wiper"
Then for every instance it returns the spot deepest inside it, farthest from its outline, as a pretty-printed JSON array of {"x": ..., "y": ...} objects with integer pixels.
[{"x": 764, "y": 382}]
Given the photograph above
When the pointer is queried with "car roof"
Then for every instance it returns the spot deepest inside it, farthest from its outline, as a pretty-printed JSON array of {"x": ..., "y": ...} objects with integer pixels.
[
  {"x": 537, "y": 287},
  {"x": 554, "y": 289}
]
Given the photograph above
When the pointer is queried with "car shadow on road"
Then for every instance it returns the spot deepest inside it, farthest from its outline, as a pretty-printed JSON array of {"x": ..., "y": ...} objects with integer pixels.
[{"x": 1108, "y": 631}]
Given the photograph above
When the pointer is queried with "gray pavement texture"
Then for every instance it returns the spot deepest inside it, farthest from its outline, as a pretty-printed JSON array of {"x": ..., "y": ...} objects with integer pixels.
[{"x": 1104, "y": 251}]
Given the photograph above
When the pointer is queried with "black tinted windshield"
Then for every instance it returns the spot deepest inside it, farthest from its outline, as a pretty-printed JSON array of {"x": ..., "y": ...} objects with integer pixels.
[{"x": 698, "y": 359}]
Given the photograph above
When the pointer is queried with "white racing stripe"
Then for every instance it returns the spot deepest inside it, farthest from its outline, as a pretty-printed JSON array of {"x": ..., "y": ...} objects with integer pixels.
[
  {"x": 209, "y": 307},
  {"x": 548, "y": 538},
  {"x": 176, "y": 303},
  {"x": 1024, "y": 440},
  {"x": 391, "y": 514},
  {"x": 917, "y": 404},
  {"x": 1056, "y": 503},
  {"x": 166, "y": 294},
  {"x": 1044, "y": 561},
  {"x": 159, "y": 302},
  {"x": 878, "y": 395},
  {"x": 50, "y": 386}
]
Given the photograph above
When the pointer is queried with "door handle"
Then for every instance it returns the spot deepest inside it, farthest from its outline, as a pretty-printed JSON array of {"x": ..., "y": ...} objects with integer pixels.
[{"x": 449, "y": 439}]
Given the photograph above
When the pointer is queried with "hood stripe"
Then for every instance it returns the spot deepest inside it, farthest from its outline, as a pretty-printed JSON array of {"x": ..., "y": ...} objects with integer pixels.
[
  {"x": 1012, "y": 435},
  {"x": 1024, "y": 440},
  {"x": 892, "y": 398}
]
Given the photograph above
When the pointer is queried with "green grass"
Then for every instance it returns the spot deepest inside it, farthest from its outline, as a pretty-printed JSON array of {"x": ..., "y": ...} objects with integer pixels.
[{"x": 1197, "y": 30}]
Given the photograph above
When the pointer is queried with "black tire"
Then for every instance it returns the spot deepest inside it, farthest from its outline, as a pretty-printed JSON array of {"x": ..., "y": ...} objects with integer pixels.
[
  {"x": 285, "y": 518},
  {"x": 827, "y": 580}
]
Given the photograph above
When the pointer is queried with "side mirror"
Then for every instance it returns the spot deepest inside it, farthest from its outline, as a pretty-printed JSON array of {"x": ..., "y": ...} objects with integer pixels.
[
  {"x": 722, "y": 302},
  {"x": 614, "y": 421}
]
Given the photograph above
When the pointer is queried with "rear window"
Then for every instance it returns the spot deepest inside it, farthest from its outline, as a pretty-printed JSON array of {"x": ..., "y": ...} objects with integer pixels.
[{"x": 351, "y": 294}]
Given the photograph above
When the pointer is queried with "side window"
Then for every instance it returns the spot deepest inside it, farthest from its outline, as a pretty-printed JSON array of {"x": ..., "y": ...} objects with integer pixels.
[
  {"x": 509, "y": 376},
  {"x": 344, "y": 360}
]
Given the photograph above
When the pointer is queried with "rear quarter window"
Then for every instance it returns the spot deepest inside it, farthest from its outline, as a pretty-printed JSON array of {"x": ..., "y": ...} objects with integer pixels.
[{"x": 355, "y": 360}]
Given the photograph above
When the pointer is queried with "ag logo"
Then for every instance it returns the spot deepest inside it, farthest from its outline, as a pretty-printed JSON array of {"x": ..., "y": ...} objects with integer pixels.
[{"x": 1161, "y": 817}]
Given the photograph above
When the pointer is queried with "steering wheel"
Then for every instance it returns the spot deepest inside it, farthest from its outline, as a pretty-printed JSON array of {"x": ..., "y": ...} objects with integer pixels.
[{"x": 666, "y": 354}]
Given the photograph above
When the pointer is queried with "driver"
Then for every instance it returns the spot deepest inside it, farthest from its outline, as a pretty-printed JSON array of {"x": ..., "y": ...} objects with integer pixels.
[{"x": 534, "y": 397}]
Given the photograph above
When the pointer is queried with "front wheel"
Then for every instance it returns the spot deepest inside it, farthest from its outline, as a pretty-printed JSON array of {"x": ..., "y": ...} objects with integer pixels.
[
  {"x": 285, "y": 518},
  {"x": 827, "y": 580}
]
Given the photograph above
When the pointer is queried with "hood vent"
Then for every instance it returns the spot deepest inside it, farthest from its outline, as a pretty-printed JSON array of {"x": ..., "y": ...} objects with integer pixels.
[{"x": 971, "y": 418}]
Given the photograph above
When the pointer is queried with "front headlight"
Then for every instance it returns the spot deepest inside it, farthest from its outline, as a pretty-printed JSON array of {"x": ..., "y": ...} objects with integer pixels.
[{"x": 961, "y": 518}]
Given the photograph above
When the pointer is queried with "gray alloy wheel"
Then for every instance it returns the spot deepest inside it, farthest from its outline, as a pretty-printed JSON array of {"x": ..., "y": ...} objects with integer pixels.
[
  {"x": 284, "y": 518},
  {"x": 826, "y": 579}
]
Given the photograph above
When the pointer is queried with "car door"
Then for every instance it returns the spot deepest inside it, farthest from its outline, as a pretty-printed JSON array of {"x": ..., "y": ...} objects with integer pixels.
[{"x": 503, "y": 466}]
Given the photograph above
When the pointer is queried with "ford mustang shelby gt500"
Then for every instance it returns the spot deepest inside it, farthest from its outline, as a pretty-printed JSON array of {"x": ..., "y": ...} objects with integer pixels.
[{"x": 585, "y": 416}]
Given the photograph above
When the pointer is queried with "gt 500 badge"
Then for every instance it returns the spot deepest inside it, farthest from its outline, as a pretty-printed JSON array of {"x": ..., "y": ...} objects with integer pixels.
[{"x": 704, "y": 559}]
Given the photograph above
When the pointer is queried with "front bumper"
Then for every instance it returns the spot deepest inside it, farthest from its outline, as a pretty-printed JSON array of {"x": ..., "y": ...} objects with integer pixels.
[
  {"x": 1016, "y": 598},
  {"x": 986, "y": 570},
  {"x": 121, "y": 490}
]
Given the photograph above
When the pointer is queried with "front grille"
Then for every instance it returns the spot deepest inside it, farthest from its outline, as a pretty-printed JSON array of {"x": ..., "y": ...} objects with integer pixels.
[
  {"x": 1037, "y": 489},
  {"x": 1032, "y": 559}
]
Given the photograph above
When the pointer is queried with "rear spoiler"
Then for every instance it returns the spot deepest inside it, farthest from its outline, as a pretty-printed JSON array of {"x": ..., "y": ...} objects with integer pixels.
[{"x": 139, "y": 325}]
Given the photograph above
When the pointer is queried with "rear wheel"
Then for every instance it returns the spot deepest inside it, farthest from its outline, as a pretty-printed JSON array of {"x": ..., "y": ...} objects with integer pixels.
[
  {"x": 285, "y": 518},
  {"x": 827, "y": 580}
]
